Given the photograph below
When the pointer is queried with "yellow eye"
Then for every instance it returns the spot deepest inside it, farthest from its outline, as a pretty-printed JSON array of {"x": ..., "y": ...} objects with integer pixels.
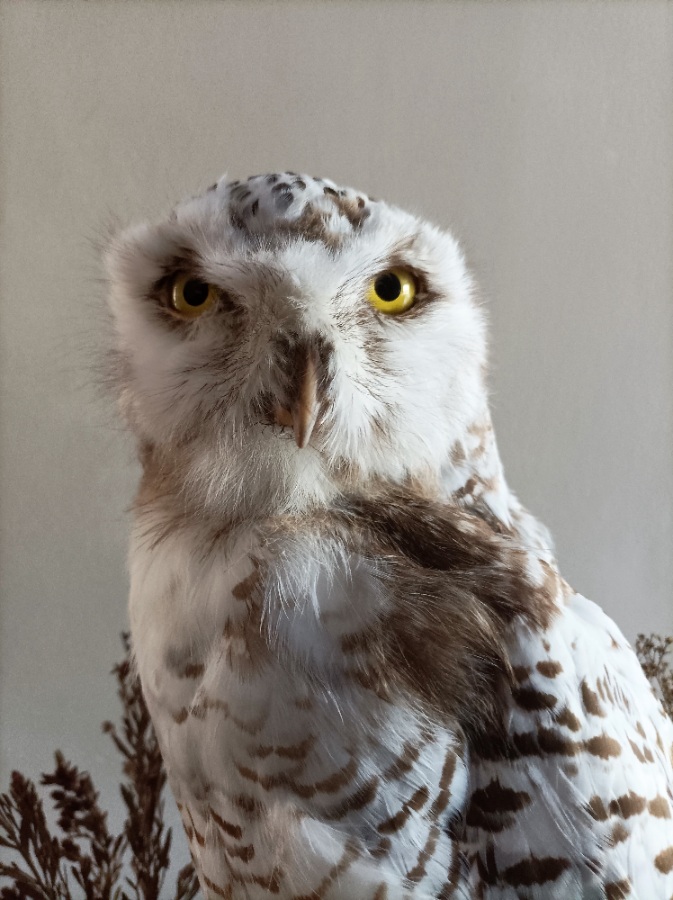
[
  {"x": 192, "y": 297},
  {"x": 393, "y": 292}
]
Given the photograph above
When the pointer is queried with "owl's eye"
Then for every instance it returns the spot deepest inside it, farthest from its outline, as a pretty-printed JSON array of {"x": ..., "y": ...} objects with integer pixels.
[
  {"x": 192, "y": 297},
  {"x": 393, "y": 292}
]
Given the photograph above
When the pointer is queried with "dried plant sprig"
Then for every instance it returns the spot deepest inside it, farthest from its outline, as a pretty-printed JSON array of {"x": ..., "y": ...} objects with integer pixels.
[
  {"x": 655, "y": 655},
  {"x": 24, "y": 832},
  {"x": 148, "y": 840},
  {"x": 84, "y": 825},
  {"x": 84, "y": 859}
]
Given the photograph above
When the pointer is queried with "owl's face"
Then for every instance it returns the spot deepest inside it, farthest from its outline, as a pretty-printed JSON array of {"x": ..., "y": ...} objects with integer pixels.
[{"x": 280, "y": 336}]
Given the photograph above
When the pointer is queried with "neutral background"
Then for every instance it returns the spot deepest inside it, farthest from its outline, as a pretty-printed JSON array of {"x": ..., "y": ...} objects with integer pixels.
[{"x": 541, "y": 132}]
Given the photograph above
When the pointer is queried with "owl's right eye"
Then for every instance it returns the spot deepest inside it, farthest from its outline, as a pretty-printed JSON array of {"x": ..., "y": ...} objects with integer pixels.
[{"x": 191, "y": 297}]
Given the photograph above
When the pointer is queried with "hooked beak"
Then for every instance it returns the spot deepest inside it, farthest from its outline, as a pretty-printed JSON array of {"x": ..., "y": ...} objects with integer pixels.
[{"x": 303, "y": 413}]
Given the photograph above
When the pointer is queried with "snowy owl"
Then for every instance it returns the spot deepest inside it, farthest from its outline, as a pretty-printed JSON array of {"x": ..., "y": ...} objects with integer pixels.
[{"x": 367, "y": 676}]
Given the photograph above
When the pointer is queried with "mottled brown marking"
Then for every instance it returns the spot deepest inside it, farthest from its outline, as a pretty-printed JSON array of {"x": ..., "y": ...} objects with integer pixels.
[
  {"x": 403, "y": 763},
  {"x": 627, "y": 805},
  {"x": 180, "y": 716},
  {"x": 246, "y": 650},
  {"x": 193, "y": 670},
  {"x": 535, "y": 870},
  {"x": 291, "y": 751},
  {"x": 204, "y": 704},
  {"x": 245, "y": 589},
  {"x": 550, "y": 668},
  {"x": 544, "y": 741},
  {"x": 618, "y": 834},
  {"x": 467, "y": 489},
  {"x": 352, "y": 210},
  {"x": 496, "y": 798},
  {"x": 664, "y": 860},
  {"x": 270, "y": 882},
  {"x": 398, "y": 821},
  {"x": 618, "y": 890},
  {"x": 381, "y": 892},
  {"x": 521, "y": 673},
  {"x": 487, "y": 866},
  {"x": 454, "y": 874},
  {"x": 639, "y": 755},
  {"x": 442, "y": 799},
  {"x": 491, "y": 808},
  {"x": 457, "y": 453},
  {"x": 225, "y": 892},
  {"x": 569, "y": 719},
  {"x": 523, "y": 743},
  {"x": 590, "y": 700},
  {"x": 249, "y": 805},
  {"x": 245, "y": 853},
  {"x": 532, "y": 700},
  {"x": 357, "y": 801},
  {"x": 330, "y": 785},
  {"x": 234, "y": 831},
  {"x": 553, "y": 742},
  {"x": 603, "y": 746},
  {"x": 382, "y": 848},
  {"x": 418, "y": 871},
  {"x": 179, "y": 661},
  {"x": 350, "y": 853},
  {"x": 597, "y": 809}
]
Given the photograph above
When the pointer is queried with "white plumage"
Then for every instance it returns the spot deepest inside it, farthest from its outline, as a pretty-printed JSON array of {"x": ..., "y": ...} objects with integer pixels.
[{"x": 367, "y": 677}]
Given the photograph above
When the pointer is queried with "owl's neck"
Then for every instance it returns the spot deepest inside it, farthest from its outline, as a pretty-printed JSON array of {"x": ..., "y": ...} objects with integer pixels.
[{"x": 474, "y": 478}]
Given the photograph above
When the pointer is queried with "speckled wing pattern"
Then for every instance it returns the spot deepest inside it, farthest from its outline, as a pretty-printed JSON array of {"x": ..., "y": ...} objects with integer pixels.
[
  {"x": 391, "y": 693},
  {"x": 586, "y": 770}
]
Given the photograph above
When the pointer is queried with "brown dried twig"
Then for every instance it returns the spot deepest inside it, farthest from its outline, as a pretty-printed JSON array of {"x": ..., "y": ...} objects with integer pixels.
[{"x": 83, "y": 856}]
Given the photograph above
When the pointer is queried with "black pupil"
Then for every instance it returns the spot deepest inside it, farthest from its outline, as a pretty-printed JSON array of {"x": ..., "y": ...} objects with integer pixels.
[
  {"x": 195, "y": 292},
  {"x": 388, "y": 287}
]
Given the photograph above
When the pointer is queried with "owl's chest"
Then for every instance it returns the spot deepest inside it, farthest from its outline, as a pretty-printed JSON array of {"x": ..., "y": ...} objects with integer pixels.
[
  {"x": 204, "y": 652},
  {"x": 260, "y": 723}
]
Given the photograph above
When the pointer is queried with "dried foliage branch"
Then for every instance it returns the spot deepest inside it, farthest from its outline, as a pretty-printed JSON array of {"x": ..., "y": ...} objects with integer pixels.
[
  {"x": 654, "y": 653},
  {"x": 83, "y": 859}
]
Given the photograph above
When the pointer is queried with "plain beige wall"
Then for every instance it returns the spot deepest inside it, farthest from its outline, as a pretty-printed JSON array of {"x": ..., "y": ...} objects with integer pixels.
[{"x": 541, "y": 132}]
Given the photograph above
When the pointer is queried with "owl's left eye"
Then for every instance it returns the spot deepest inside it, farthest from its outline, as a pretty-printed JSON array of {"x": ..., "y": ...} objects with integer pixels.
[
  {"x": 191, "y": 297},
  {"x": 393, "y": 292}
]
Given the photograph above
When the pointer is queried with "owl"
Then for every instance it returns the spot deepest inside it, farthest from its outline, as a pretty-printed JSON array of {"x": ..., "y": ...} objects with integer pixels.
[{"x": 368, "y": 678}]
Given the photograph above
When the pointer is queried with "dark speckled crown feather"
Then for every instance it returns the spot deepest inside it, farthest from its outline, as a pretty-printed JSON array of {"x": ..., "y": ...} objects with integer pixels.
[{"x": 287, "y": 203}]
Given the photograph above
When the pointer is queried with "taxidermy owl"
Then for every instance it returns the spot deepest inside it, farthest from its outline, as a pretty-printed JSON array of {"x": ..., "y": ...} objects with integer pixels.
[{"x": 367, "y": 676}]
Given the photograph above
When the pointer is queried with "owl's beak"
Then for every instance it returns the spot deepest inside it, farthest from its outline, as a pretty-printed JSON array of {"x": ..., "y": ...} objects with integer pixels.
[{"x": 303, "y": 413}]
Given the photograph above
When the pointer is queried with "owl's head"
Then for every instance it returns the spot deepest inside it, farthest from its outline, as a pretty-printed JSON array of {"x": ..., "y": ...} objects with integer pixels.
[{"x": 279, "y": 337}]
